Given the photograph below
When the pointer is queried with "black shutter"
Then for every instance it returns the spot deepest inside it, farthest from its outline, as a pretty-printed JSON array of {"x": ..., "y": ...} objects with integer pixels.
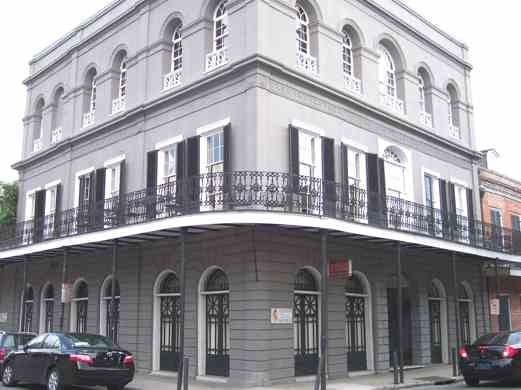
[
  {"x": 444, "y": 208},
  {"x": 451, "y": 201},
  {"x": 344, "y": 182},
  {"x": 373, "y": 197},
  {"x": 39, "y": 215},
  {"x": 382, "y": 191},
  {"x": 294, "y": 162},
  {"x": 99, "y": 198},
  {"x": 151, "y": 197},
  {"x": 81, "y": 195},
  {"x": 122, "y": 201},
  {"x": 58, "y": 207},
  {"x": 470, "y": 214},
  {"x": 92, "y": 200},
  {"x": 516, "y": 235},
  {"x": 328, "y": 177},
  {"x": 227, "y": 176},
  {"x": 193, "y": 179},
  {"x": 180, "y": 172}
]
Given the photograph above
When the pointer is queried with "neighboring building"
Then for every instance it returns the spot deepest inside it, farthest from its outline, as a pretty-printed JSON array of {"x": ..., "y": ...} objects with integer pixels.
[
  {"x": 265, "y": 132},
  {"x": 501, "y": 207}
]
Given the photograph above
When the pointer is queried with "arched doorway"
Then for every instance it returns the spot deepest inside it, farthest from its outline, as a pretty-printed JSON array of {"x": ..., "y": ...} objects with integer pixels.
[
  {"x": 358, "y": 323},
  {"x": 438, "y": 323},
  {"x": 394, "y": 329},
  {"x": 214, "y": 344},
  {"x": 466, "y": 313},
  {"x": 28, "y": 310},
  {"x": 109, "y": 315},
  {"x": 166, "y": 322},
  {"x": 47, "y": 309},
  {"x": 79, "y": 307},
  {"x": 306, "y": 326}
]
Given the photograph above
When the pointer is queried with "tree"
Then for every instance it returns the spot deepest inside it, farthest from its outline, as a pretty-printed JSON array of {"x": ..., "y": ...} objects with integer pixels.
[{"x": 8, "y": 201}]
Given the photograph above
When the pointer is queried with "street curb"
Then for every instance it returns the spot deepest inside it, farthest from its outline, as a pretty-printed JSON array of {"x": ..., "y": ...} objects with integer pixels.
[{"x": 448, "y": 381}]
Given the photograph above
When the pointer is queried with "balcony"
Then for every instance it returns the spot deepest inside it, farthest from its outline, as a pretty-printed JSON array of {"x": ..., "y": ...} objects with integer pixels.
[
  {"x": 262, "y": 191},
  {"x": 307, "y": 63},
  {"x": 426, "y": 119},
  {"x": 172, "y": 79},
  {"x": 353, "y": 84},
  {"x": 392, "y": 103},
  {"x": 119, "y": 105},
  {"x": 56, "y": 135},
  {"x": 89, "y": 118},
  {"x": 454, "y": 131},
  {"x": 37, "y": 145},
  {"x": 217, "y": 59}
]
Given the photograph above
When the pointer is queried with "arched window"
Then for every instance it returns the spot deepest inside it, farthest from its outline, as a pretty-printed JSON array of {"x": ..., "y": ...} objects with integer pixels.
[
  {"x": 109, "y": 314},
  {"x": 304, "y": 281},
  {"x": 453, "y": 114},
  {"x": 466, "y": 312},
  {"x": 47, "y": 309},
  {"x": 387, "y": 73},
  {"x": 38, "y": 126},
  {"x": 57, "y": 131},
  {"x": 395, "y": 172},
  {"x": 28, "y": 310},
  {"x": 79, "y": 307},
  {"x": 120, "y": 85},
  {"x": 347, "y": 53},
  {"x": 167, "y": 330},
  {"x": 90, "y": 99},
  {"x": 177, "y": 50},
  {"x": 302, "y": 31},
  {"x": 123, "y": 78},
  {"x": 421, "y": 92},
  {"x": 437, "y": 324},
  {"x": 221, "y": 27}
]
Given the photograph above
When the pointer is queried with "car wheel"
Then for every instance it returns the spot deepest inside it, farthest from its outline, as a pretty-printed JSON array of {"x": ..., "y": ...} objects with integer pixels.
[
  {"x": 54, "y": 380},
  {"x": 8, "y": 375},
  {"x": 471, "y": 381}
]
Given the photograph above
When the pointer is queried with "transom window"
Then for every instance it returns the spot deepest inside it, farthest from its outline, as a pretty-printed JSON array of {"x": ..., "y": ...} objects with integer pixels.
[
  {"x": 215, "y": 150},
  {"x": 387, "y": 73},
  {"x": 347, "y": 53},
  {"x": 217, "y": 281},
  {"x": 304, "y": 281},
  {"x": 354, "y": 286},
  {"x": 302, "y": 31},
  {"x": 434, "y": 293},
  {"x": 123, "y": 78},
  {"x": 177, "y": 50},
  {"x": 170, "y": 285},
  {"x": 221, "y": 27}
]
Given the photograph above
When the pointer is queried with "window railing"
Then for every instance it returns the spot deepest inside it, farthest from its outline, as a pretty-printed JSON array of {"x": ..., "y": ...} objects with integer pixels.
[
  {"x": 216, "y": 59},
  {"x": 56, "y": 135},
  {"x": 392, "y": 103},
  {"x": 37, "y": 145},
  {"x": 262, "y": 191},
  {"x": 307, "y": 63},
  {"x": 89, "y": 118},
  {"x": 172, "y": 79},
  {"x": 454, "y": 131},
  {"x": 353, "y": 84},
  {"x": 426, "y": 119},
  {"x": 119, "y": 104}
]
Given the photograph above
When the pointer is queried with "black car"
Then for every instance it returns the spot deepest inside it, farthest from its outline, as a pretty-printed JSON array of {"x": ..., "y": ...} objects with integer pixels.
[
  {"x": 10, "y": 341},
  {"x": 495, "y": 356},
  {"x": 60, "y": 360}
]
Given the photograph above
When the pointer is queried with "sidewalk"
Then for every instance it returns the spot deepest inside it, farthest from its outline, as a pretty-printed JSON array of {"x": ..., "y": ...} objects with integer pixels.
[{"x": 383, "y": 381}]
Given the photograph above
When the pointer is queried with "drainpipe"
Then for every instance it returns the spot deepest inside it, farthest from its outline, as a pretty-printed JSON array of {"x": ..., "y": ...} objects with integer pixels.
[
  {"x": 324, "y": 319},
  {"x": 400, "y": 310},
  {"x": 182, "y": 288}
]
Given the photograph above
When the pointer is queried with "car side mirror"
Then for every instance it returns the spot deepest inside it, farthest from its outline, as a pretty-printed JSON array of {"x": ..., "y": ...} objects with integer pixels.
[{"x": 25, "y": 348}]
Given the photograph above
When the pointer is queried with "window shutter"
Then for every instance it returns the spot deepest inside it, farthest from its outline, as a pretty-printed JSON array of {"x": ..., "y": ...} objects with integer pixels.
[
  {"x": 81, "y": 197},
  {"x": 293, "y": 167},
  {"x": 227, "y": 179},
  {"x": 58, "y": 207},
  {"x": 470, "y": 214},
  {"x": 515, "y": 223},
  {"x": 451, "y": 202},
  {"x": 516, "y": 235},
  {"x": 99, "y": 197},
  {"x": 151, "y": 197},
  {"x": 39, "y": 215},
  {"x": 92, "y": 200},
  {"x": 382, "y": 191},
  {"x": 328, "y": 177},
  {"x": 122, "y": 201},
  {"x": 193, "y": 168},
  {"x": 344, "y": 161},
  {"x": 444, "y": 208},
  {"x": 372, "y": 188},
  {"x": 180, "y": 172}
]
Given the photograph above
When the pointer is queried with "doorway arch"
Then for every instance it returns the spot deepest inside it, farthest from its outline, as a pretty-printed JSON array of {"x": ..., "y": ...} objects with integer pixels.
[
  {"x": 439, "y": 333},
  {"x": 47, "y": 308},
  {"x": 466, "y": 314}
]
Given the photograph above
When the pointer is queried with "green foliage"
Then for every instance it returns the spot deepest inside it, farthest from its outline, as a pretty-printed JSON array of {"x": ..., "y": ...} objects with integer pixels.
[{"x": 8, "y": 200}]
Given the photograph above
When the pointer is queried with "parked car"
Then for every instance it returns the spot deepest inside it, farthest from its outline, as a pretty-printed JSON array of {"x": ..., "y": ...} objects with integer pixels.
[
  {"x": 10, "y": 341},
  {"x": 495, "y": 356},
  {"x": 60, "y": 360}
]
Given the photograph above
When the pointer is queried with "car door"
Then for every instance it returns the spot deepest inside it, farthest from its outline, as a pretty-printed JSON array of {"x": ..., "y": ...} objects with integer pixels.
[
  {"x": 23, "y": 364},
  {"x": 43, "y": 358}
]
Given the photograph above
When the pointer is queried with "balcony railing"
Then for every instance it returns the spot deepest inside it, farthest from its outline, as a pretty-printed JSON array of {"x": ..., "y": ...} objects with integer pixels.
[
  {"x": 392, "y": 103},
  {"x": 426, "y": 119},
  {"x": 353, "y": 84},
  {"x": 261, "y": 191},
  {"x": 37, "y": 145},
  {"x": 172, "y": 79},
  {"x": 56, "y": 135},
  {"x": 89, "y": 118},
  {"x": 216, "y": 59},
  {"x": 119, "y": 104},
  {"x": 307, "y": 63},
  {"x": 454, "y": 131}
]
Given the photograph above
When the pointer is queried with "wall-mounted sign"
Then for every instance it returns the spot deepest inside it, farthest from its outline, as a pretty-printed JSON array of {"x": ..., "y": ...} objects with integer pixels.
[
  {"x": 66, "y": 293},
  {"x": 281, "y": 316},
  {"x": 3, "y": 318},
  {"x": 340, "y": 268},
  {"x": 494, "y": 307}
]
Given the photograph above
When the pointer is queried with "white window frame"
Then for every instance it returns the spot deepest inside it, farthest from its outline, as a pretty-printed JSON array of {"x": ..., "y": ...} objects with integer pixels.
[
  {"x": 348, "y": 65},
  {"x": 30, "y": 203},
  {"x": 220, "y": 18},
  {"x": 421, "y": 92},
  {"x": 93, "y": 95},
  {"x": 460, "y": 185},
  {"x": 104, "y": 302},
  {"x": 43, "y": 308},
  {"x": 408, "y": 174},
  {"x": 436, "y": 194},
  {"x": 74, "y": 305},
  {"x": 386, "y": 65},
  {"x": 302, "y": 25},
  {"x": 177, "y": 50},
  {"x": 123, "y": 79},
  {"x": 77, "y": 184},
  {"x": 112, "y": 176}
]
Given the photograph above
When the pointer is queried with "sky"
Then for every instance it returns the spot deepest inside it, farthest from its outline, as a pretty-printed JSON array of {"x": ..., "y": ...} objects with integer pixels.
[{"x": 490, "y": 32}]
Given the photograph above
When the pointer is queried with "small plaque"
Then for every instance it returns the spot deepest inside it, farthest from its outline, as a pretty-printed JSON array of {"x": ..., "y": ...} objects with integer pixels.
[
  {"x": 282, "y": 316},
  {"x": 340, "y": 268},
  {"x": 66, "y": 293},
  {"x": 494, "y": 307},
  {"x": 3, "y": 318}
]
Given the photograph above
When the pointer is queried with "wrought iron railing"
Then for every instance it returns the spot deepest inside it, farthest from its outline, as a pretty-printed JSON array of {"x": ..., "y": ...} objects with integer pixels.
[{"x": 261, "y": 191}]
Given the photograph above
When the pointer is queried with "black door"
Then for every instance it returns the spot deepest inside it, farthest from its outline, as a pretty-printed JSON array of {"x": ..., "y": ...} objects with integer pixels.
[
  {"x": 170, "y": 333},
  {"x": 217, "y": 335},
  {"x": 112, "y": 316},
  {"x": 355, "y": 334},
  {"x": 504, "y": 313},
  {"x": 81, "y": 316},
  {"x": 392, "y": 299},
  {"x": 305, "y": 322},
  {"x": 436, "y": 337},
  {"x": 464, "y": 309}
]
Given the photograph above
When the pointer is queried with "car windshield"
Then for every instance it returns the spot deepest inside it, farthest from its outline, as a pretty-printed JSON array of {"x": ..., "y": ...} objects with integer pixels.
[
  {"x": 90, "y": 341},
  {"x": 494, "y": 339}
]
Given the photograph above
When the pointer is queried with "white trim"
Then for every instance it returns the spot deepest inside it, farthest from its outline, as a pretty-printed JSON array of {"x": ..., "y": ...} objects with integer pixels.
[
  {"x": 85, "y": 172},
  {"x": 472, "y": 309},
  {"x": 213, "y": 126},
  {"x": 383, "y": 144},
  {"x": 444, "y": 319},
  {"x": 77, "y": 184},
  {"x": 354, "y": 144},
  {"x": 459, "y": 182},
  {"x": 259, "y": 218},
  {"x": 103, "y": 305},
  {"x": 33, "y": 191},
  {"x": 114, "y": 161},
  {"x": 52, "y": 184},
  {"x": 73, "y": 305},
  {"x": 307, "y": 127},
  {"x": 43, "y": 302},
  {"x": 169, "y": 142},
  {"x": 430, "y": 173}
]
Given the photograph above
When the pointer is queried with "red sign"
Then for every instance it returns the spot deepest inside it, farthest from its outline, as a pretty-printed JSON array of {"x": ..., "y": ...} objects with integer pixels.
[{"x": 340, "y": 268}]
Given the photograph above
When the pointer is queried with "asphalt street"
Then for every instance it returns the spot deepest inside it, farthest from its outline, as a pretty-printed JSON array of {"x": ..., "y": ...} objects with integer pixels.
[{"x": 482, "y": 386}]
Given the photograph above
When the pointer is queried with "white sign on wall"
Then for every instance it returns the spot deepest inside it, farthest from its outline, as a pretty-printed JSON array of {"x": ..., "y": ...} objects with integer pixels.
[
  {"x": 494, "y": 307},
  {"x": 3, "y": 317},
  {"x": 281, "y": 316},
  {"x": 66, "y": 293}
]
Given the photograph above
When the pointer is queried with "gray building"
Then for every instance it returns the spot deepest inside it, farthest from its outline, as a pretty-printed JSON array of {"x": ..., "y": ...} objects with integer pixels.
[{"x": 255, "y": 142}]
